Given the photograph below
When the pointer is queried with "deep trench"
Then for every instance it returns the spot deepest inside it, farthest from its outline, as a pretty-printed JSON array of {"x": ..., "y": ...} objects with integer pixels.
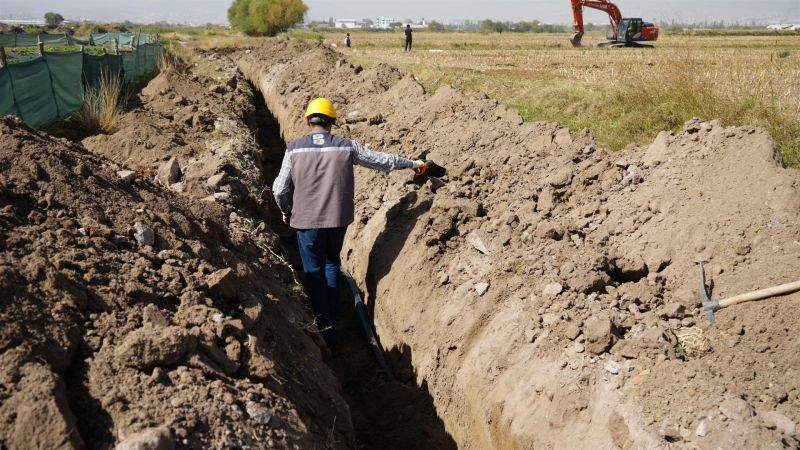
[{"x": 386, "y": 415}]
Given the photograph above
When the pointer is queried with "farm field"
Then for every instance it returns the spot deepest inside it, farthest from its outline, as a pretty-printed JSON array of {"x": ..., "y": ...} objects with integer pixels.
[{"x": 623, "y": 95}]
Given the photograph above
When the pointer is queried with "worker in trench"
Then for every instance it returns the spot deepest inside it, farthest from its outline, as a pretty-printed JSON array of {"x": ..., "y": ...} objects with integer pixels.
[{"x": 314, "y": 191}]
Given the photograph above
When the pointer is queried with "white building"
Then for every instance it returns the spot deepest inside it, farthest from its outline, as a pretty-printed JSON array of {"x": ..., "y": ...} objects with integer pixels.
[
  {"x": 384, "y": 23},
  {"x": 348, "y": 23},
  {"x": 23, "y": 22},
  {"x": 784, "y": 26}
]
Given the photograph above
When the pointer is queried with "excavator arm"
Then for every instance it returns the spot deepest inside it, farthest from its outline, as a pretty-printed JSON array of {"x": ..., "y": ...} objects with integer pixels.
[{"x": 614, "y": 15}]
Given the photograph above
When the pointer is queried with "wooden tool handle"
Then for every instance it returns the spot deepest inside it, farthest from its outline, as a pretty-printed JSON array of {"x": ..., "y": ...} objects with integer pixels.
[{"x": 761, "y": 293}]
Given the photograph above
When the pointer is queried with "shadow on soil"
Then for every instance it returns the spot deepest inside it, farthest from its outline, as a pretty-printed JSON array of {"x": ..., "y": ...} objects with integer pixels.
[{"x": 386, "y": 415}]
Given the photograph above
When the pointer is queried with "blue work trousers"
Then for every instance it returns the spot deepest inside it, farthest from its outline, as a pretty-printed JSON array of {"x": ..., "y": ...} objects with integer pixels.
[{"x": 319, "y": 250}]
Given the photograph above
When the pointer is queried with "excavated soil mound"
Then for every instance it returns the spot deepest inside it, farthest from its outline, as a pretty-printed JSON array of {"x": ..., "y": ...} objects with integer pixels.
[
  {"x": 547, "y": 291},
  {"x": 135, "y": 316}
]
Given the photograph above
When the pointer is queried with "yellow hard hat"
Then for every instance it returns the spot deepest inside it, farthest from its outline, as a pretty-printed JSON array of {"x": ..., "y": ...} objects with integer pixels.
[{"x": 321, "y": 106}]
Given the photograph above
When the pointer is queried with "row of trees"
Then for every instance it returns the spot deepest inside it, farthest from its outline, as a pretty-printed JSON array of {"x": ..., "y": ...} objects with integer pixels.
[
  {"x": 492, "y": 26},
  {"x": 520, "y": 27}
]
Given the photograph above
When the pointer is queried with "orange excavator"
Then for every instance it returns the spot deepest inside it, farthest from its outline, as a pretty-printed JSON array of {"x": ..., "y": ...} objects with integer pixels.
[{"x": 627, "y": 32}]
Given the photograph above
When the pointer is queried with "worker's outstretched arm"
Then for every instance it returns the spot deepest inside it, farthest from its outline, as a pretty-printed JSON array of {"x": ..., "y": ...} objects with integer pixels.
[
  {"x": 282, "y": 187},
  {"x": 385, "y": 162}
]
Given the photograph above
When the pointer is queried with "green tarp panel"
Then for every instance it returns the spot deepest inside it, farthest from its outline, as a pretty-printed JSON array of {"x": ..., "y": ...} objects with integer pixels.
[
  {"x": 94, "y": 67},
  {"x": 76, "y": 41},
  {"x": 17, "y": 57},
  {"x": 152, "y": 57},
  {"x": 33, "y": 92},
  {"x": 25, "y": 40},
  {"x": 30, "y": 40},
  {"x": 142, "y": 61},
  {"x": 54, "y": 39},
  {"x": 65, "y": 71},
  {"x": 144, "y": 38},
  {"x": 129, "y": 65},
  {"x": 43, "y": 90},
  {"x": 98, "y": 38},
  {"x": 7, "y": 105},
  {"x": 148, "y": 58},
  {"x": 125, "y": 39}
]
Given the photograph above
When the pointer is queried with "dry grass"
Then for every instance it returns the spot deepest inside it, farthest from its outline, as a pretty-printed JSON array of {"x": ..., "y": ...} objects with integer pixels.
[
  {"x": 103, "y": 105},
  {"x": 175, "y": 56},
  {"x": 623, "y": 95},
  {"x": 693, "y": 341}
]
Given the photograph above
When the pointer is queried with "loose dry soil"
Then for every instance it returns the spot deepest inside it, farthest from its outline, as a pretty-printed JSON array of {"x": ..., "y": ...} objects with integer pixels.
[
  {"x": 547, "y": 291},
  {"x": 545, "y": 294},
  {"x": 139, "y": 308}
]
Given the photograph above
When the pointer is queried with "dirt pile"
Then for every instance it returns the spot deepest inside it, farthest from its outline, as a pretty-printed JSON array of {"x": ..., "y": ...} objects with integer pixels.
[
  {"x": 548, "y": 290},
  {"x": 201, "y": 122},
  {"x": 132, "y": 313}
]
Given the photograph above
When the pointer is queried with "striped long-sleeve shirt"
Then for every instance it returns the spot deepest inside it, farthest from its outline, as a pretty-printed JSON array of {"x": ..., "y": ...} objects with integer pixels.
[{"x": 315, "y": 184}]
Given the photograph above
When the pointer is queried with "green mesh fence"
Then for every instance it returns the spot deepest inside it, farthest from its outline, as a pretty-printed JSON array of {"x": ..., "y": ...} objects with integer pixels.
[
  {"x": 30, "y": 40},
  {"x": 125, "y": 39},
  {"x": 94, "y": 67},
  {"x": 50, "y": 87},
  {"x": 32, "y": 92},
  {"x": 76, "y": 41},
  {"x": 65, "y": 74}
]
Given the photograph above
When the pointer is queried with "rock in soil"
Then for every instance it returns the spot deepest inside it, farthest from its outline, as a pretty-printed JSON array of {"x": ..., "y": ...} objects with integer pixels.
[
  {"x": 148, "y": 439},
  {"x": 169, "y": 172}
]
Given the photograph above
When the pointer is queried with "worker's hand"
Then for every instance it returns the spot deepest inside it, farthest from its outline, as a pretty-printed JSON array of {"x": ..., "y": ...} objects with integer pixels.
[
  {"x": 419, "y": 166},
  {"x": 286, "y": 218},
  {"x": 431, "y": 169}
]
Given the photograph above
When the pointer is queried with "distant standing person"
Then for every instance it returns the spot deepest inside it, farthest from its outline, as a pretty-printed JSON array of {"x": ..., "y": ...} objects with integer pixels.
[
  {"x": 347, "y": 40},
  {"x": 408, "y": 37}
]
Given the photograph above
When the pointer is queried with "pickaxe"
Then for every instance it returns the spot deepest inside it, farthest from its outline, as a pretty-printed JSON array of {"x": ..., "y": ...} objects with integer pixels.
[{"x": 711, "y": 306}]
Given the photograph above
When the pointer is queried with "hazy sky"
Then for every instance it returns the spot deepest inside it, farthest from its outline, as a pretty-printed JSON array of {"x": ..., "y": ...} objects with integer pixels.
[{"x": 551, "y": 11}]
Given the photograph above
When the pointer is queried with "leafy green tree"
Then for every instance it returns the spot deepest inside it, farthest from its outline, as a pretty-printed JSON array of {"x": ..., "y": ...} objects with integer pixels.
[
  {"x": 265, "y": 17},
  {"x": 53, "y": 19},
  {"x": 436, "y": 26},
  {"x": 492, "y": 26}
]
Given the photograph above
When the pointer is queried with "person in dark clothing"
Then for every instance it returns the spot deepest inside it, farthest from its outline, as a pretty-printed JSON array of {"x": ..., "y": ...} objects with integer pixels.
[
  {"x": 347, "y": 40},
  {"x": 408, "y": 37}
]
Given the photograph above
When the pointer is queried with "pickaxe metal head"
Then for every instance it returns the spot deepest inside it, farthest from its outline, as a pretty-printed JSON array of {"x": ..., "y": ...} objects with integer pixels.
[{"x": 709, "y": 306}]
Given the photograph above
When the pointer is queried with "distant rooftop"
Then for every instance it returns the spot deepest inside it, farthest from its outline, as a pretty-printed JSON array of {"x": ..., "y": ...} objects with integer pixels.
[{"x": 22, "y": 21}]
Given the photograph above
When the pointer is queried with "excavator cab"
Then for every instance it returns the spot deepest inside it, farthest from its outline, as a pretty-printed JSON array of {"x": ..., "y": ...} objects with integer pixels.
[
  {"x": 630, "y": 30},
  {"x": 636, "y": 30}
]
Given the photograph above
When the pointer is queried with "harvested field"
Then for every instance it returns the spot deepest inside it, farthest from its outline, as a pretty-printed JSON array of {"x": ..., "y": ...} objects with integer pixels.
[
  {"x": 624, "y": 96},
  {"x": 545, "y": 293}
]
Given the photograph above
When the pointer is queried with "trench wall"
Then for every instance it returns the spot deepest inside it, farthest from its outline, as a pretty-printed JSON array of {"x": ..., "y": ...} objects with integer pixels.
[{"x": 490, "y": 392}]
